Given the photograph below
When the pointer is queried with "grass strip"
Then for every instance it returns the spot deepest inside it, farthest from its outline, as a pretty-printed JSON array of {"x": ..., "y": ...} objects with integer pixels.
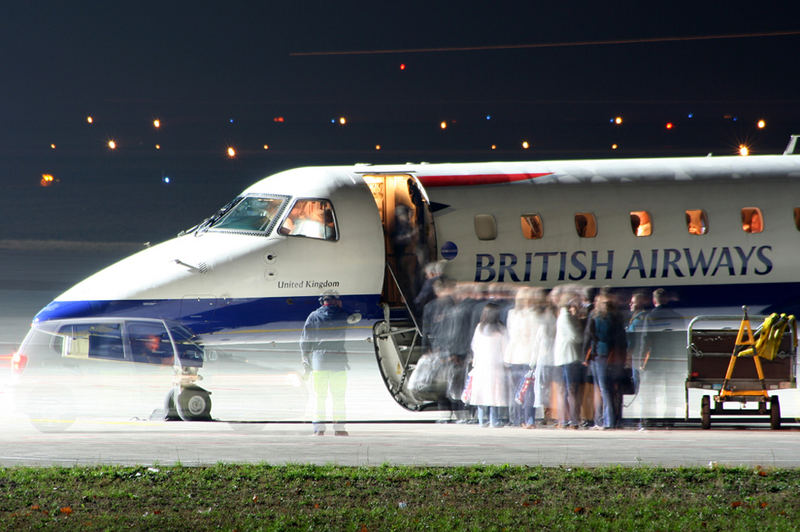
[{"x": 264, "y": 497}]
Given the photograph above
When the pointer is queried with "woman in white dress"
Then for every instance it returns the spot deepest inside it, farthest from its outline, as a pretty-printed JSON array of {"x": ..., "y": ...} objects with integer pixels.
[{"x": 489, "y": 343}]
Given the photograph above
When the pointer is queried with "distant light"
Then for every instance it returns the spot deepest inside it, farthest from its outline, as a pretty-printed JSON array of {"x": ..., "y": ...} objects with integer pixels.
[
  {"x": 761, "y": 124},
  {"x": 158, "y": 146},
  {"x": 377, "y": 147},
  {"x": 278, "y": 119},
  {"x": 89, "y": 119},
  {"x": 488, "y": 117},
  {"x": 669, "y": 125},
  {"x": 690, "y": 115},
  {"x": 618, "y": 120},
  {"x": 231, "y": 152},
  {"x": 614, "y": 146},
  {"x": 342, "y": 120},
  {"x": 402, "y": 66},
  {"x": 525, "y": 145},
  {"x": 47, "y": 180},
  {"x": 266, "y": 146},
  {"x": 443, "y": 124},
  {"x": 156, "y": 123},
  {"x": 52, "y": 146},
  {"x": 494, "y": 146},
  {"x": 744, "y": 151},
  {"x": 735, "y": 118},
  {"x": 231, "y": 120},
  {"x": 166, "y": 179},
  {"x": 112, "y": 144}
]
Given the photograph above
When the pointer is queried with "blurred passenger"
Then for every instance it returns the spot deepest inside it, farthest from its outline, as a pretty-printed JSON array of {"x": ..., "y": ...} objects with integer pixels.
[
  {"x": 663, "y": 339},
  {"x": 519, "y": 357},
  {"x": 325, "y": 359},
  {"x": 403, "y": 236},
  {"x": 606, "y": 348},
  {"x": 488, "y": 374},
  {"x": 437, "y": 340},
  {"x": 567, "y": 354},
  {"x": 458, "y": 325},
  {"x": 634, "y": 331},
  {"x": 434, "y": 271},
  {"x": 545, "y": 368}
]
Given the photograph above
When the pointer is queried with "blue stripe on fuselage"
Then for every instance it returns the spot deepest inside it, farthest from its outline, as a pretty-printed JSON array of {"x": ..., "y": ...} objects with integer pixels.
[{"x": 203, "y": 315}]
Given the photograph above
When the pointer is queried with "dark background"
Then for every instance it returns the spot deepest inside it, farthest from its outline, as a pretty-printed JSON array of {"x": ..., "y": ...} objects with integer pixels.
[{"x": 219, "y": 74}]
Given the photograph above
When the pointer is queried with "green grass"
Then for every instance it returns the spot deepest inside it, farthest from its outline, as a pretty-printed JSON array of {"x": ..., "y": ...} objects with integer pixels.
[{"x": 262, "y": 497}]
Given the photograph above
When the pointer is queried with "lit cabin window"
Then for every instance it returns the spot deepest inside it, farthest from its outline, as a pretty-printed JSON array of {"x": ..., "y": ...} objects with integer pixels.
[
  {"x": 696, "y": 222},
  {"x": 752, "y": 220},
  {"x": 532, "y": 226},
  {"x": 797, "y": 218},
  {"x": 585, "y": 225},
  {"x": 641, "y": 224},
  {"x": 311, "y": 218},
  {"x": 485, "y": 227}
]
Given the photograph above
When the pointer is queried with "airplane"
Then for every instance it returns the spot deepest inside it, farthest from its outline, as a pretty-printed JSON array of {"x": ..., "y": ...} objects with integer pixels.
[{"x": 717, "y": 232}]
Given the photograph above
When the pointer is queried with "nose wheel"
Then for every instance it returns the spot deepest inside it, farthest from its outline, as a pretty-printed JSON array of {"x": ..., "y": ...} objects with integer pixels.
[{"x": 188, "y": 403}]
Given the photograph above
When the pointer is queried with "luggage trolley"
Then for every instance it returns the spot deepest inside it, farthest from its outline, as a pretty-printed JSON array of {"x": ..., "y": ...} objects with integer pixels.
[{"x": 713, "y": 357}]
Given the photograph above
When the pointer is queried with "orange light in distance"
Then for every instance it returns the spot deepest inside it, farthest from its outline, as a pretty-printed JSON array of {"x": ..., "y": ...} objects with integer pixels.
[
  {"x": 377, "y": 147},
  {"x": 744, "y": 151},
  {"x": 47, "y": 180},
  {"x": 761, "y": 124},
  {"x": 342, "y": 120},
  {"x": 494, "y": 146},
  {"x": 156, "y": 123},
  {"x": 618, "y": 120},
  {"x": 443, "y": 124},
  {"x": 614, "y": 146},
  {"x": 52, "y": 146},
  {"x": 112, "y": 144},
  {"x": 231, "y": 152},
  {"x": 525, "y": 145},
  {"x": 266, "y": 146},
  {"x": 89, "y": 120},
  {"x": 158, "y": 146},
  {"x": 669, "y": 125}
]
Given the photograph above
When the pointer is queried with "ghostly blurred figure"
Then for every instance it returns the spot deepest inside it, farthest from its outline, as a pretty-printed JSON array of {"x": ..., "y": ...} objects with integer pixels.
[
  {"x": 607, "y": 348},
  {"x": 567, "y": 352},
  {"x": 325, "y": 359},
  {"x": 519, "y": 357},
  {"x": 634, "y": 331},
  {"x": 544, "y": 363},
  {"x": 489, "y": 342}
]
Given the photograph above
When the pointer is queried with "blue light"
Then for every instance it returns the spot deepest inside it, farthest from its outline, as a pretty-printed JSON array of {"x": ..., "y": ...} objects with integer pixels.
[
  {"x": 735, "y": 118},
  {"x": 165, "y": 179},
  {"x": 488, "y": 117},
  {"x": 333, "y": 120},
  {"x": 230, "y": 120},
  {"x": 690, "y": 115}
]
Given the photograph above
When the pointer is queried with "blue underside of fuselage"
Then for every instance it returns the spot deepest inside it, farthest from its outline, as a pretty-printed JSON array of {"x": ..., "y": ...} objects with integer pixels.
[{"x": 204, "y": 316}]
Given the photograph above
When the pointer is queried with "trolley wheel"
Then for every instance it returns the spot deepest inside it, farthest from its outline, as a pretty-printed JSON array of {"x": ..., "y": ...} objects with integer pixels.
[
  {"x": 774, "y": 413},
  {"x": 705, "y": 412}
]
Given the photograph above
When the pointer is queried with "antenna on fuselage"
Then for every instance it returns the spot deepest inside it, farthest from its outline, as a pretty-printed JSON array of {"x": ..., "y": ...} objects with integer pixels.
[{"x": 791, "y": 146}]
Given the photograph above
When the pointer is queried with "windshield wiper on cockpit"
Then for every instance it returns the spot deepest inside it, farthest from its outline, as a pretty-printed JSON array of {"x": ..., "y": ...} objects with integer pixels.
[{"x": 211, "y": 220}]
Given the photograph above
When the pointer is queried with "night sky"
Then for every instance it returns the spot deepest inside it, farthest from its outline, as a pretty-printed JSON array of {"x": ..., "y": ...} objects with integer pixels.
[{"x": 250, "y": 74}]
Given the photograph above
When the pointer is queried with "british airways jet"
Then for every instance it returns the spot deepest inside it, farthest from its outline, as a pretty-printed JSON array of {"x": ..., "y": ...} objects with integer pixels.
[{"x": 235, "y": 290}]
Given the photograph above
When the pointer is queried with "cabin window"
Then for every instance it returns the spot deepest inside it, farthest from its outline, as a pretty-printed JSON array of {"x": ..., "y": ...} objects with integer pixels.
[
  {"x": 532, "y": 228},
  {"x": 797, "y": 218},
  {"x": 485, "y": 227},
  {"x": 311, "y": 218},
  {"x": 696, "y": 222},
  {"x": 585, "y": 225},
  {"x": 150, "y": 342},
  {"x": 752, "y": 220},
  {"x": 253, "y": 213},
  {"x": 641, "y": 223}
]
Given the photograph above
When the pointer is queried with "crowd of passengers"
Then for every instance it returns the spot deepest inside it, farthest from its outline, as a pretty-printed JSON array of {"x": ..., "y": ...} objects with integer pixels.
[{"x": 498, "y": 355}]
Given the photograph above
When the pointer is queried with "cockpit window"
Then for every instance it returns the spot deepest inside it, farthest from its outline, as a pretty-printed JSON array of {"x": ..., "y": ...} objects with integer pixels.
[
  {"x": 311, "y": 218},
  {"x": 252, "y": 213}
]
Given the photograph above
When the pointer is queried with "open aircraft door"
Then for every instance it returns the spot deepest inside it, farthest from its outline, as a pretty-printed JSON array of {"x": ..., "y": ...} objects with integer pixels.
[{"x": 410, "y": 243}]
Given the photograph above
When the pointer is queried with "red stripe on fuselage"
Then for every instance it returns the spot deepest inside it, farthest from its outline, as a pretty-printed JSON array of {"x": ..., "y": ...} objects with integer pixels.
[{"x": 475, "y": 179}]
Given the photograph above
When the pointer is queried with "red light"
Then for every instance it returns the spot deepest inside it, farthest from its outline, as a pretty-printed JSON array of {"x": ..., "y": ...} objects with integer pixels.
[
  {"x": 278, "y": 119},
  {"x": 402, "y": 66},
  {"x": 18, "y": 362},
  {"x": 669, "y": 125}
]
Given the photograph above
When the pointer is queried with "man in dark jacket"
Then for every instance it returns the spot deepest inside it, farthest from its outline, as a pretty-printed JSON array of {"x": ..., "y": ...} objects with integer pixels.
[{"x": 325, "y": 359}]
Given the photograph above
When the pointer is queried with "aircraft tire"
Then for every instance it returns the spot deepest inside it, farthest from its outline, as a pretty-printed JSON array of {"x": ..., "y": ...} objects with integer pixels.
[
  {"x": 193, "y": 404},
  {"x": 705, "y": 412},
  {"x": 774, "y": 413}
]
